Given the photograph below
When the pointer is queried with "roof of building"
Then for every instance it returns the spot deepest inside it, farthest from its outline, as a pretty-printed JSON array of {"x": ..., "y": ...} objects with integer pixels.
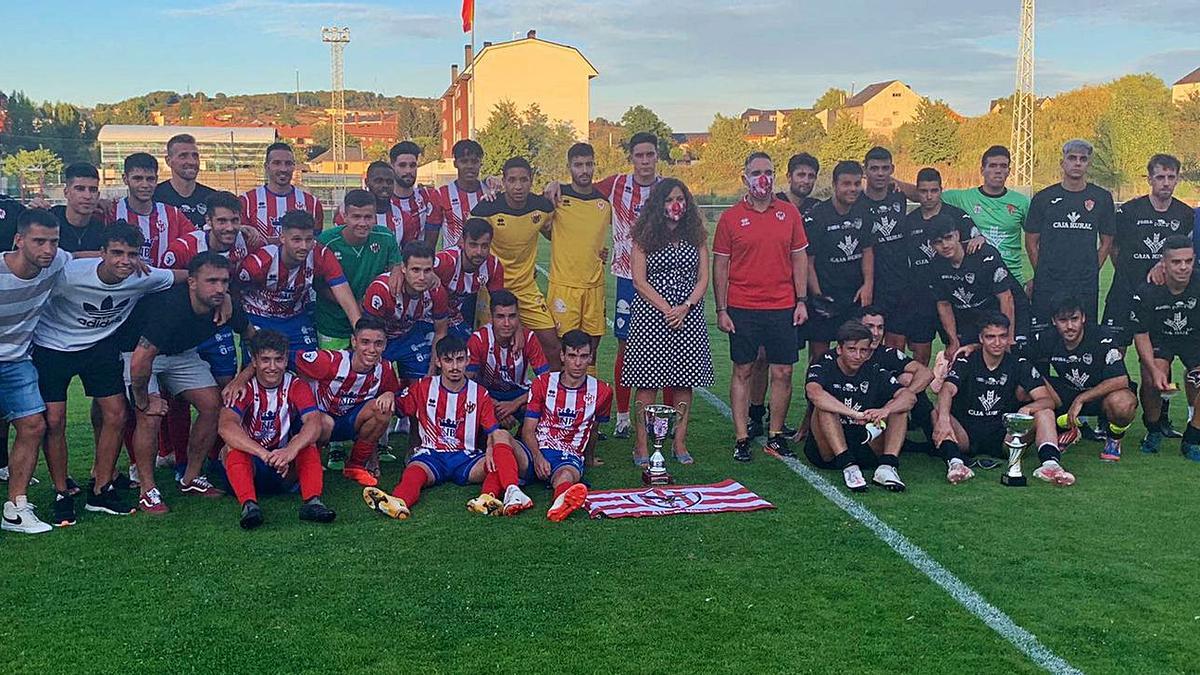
[
  {"x": 1191, "y": 78},
  {"x": 111, "y": 133},
  {"x": 354, "y": 153},
  {"x": 868, "y": 93},
  {"x": 531, "y": 37},
  {"x": 764, "y": 125}
]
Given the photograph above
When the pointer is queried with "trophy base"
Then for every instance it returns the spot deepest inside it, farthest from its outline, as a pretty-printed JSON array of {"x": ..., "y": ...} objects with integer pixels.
[
  {"x": 1013, "y": 481},
  {"x": 656, "y": 479}
]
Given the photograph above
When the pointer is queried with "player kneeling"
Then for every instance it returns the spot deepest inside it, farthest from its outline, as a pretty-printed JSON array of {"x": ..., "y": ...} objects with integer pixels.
[
  {"x": 451, "y": 411},
  {"x": 981, "y": 387},
  {"x": 272, "y": 430},
  {"x": 562, "y": 415}
]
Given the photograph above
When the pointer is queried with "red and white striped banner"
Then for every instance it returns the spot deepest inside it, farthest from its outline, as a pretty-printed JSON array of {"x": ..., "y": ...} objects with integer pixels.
[{"x": 728, "y": 495}]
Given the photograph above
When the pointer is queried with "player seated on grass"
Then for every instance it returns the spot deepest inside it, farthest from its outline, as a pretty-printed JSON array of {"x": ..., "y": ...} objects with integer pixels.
[
  {"x": 270, "y": 446},
  {"x": 564, "y": 412},
  {"x": 1086, "y": 372},
  {"x": 981, "y": 387},
  {"x": 451, "y": 413},
  {"x": 846, "y": 394},
  {"x": 416, "y": 317},
  {"x": 909, "y": 372},
  {"x": 1166, "y": 326},
  {"x": 465, "y": 269}
]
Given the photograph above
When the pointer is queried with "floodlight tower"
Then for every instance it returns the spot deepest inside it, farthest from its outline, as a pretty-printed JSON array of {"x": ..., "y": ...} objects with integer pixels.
[
  {"x": 1023, "y": 104},
  {"x": 337, "y": 38}
]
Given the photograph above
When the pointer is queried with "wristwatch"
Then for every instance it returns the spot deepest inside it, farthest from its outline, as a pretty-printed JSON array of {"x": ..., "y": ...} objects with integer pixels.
[{"x": 801, "y": 299}]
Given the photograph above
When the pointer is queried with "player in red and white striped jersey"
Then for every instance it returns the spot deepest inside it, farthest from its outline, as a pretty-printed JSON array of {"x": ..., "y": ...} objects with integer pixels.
[
  {"x": 278, "y": 282},
  {"x": 501, "y": 355},
  {"x": 628, "y": 194},
  {"x": 380, "y": 182},
  {"x": 355, "y": 390},
  {"x": 160, "y": 224},
  {"x": 268, "y": 445},
  {"x": 464, "y": 270},
  {"x": 415, "y": 200},
  {"x": 453, "y": 415},
  {"x": 461, "y": 195},
  {"x": 416, "y": 318},
  {"x": 562, "y": 417},
  {"x": 264, "y": 206}
]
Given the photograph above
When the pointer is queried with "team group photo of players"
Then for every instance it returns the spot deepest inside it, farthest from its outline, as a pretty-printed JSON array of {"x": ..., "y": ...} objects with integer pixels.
[{"x": 263, "y": 343}]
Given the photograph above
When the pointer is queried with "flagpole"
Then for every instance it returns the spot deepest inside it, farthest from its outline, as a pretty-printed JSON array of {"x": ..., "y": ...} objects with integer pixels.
[{"x": 471, "y": 84}]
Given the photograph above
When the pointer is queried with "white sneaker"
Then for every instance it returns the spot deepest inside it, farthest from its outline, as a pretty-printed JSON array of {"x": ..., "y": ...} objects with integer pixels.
[
  {"x": 22, "y": 520},
  {"x": 4, "y": 476},
  {"x": 515, "y": 501},
  {"x": 1052, "y": 472},
  {"x": 958, "y": 472},
  {"x": 888, "y": 477},
  {"x": 854, "y": 478}
]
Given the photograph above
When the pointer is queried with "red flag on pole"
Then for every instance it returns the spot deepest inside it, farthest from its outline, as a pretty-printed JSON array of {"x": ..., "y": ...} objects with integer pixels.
[{"x": 468, "y": 15}]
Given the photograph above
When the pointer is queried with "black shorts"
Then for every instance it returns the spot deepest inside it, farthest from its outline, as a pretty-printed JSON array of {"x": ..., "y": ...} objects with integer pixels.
[
  {"x": 1187, "y": 351},
  {"x": 98, "y": 366},
  {"x": 824, "y": 329},
  {"x": 770, "y": 329},
  {"x": 1068, "y": 394},
  {"x": 1117, "y": 308},
  {"x": 856, "y": 434},
  {"x": 916, "y": 318},
  {"x": 1044, "y": 292},
  {"x": 987, "y": 438}
]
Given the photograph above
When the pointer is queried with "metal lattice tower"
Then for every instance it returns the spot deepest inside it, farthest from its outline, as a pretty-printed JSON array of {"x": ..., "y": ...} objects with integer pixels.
[
  {"x": 337, "y": 38},
  {"x": 1023, "y": 104}
]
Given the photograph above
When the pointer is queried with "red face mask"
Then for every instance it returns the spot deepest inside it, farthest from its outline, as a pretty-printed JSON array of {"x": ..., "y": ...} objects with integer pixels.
[
  {"x": 675, "y": 211},
  {"x": 760, "y": 186}
]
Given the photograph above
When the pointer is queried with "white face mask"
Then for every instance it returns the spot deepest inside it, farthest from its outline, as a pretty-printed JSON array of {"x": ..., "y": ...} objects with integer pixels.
[{"x": 760, "y": 186}]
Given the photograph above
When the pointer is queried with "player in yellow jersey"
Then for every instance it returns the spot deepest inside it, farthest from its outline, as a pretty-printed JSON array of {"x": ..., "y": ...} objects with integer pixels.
[
  {"x": 517, "y": 218},
  {"x": 578, "y": 251}
]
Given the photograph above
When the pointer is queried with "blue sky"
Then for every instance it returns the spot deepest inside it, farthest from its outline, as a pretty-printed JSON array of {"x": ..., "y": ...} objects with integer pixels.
[{"x": 686, "y": 59}]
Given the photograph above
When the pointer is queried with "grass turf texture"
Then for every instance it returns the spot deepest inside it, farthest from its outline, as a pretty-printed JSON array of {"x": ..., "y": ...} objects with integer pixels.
[{"x": 1102, "y": 573}]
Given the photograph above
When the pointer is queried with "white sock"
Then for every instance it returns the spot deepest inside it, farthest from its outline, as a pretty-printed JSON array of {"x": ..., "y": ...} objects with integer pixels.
[
  {"x": 1191, "y": 413},
  {"x": 955, "y": 462},
  {"x": 622, "y": 418},
  {"x": 1051, "y": 463},
  {"x": 21, "y": 502}
]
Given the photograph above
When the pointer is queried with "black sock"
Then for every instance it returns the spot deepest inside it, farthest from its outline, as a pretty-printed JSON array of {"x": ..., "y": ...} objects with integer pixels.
[
  {"x": 889, "y": 460},
  {"x": 1049, "y": 451},
  {"x": 950, "y": 450},
  {"x": 1191, "y": 435},
  {"x": 922, "y": 415},
  {"x": 757, "y": 412},
  {"x": 1164, "y": 417},
  {"x": 844, "y": 459},
  {"x": 1152, "y": 425}
]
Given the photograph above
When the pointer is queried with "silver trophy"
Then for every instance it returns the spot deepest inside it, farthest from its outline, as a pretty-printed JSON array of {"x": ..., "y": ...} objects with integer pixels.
[
  {"x": 1019, "y": 427},
  {"x": 660, "y": 422}
]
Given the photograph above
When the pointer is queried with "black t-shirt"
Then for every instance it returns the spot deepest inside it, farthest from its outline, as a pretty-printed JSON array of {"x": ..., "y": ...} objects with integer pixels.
[
  {"x": 970, "y": 289},
  {"x": 1168, "y": 318},
  {"x": 871, "y": 387},
  {"x": 984, "y": 396},
  {"x": 886, "y": 217},
  {"x": 1141, "y": 232},
  {"x": 193, "y": 206},
  {"x": 806, "y": 204},
  {"x": 90, "y": 237},
  {"x": 168, "y": 321},
  {"x": 916, "y": 239},
  {"x": 891, "y": 360},
  {"x": 1096, "y": 358},
  {"x": 835, "y": 246},
  {"x": 9, "y": 210},
  {"x": 1069, "y": 225}
]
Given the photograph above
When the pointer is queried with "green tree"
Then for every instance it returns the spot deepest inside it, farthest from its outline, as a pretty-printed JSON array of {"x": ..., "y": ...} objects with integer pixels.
[
  {"x": 832, "y": 99},
  {"x": 502, "y": 137},
  {"x": 33, "y": 167},
  {"x": 640, "y": 118},
  {"x": 723, "y": 156},
  {"x": 1185, "y": 129},
  {"x": 935, "y": 134},
  {"x": 1135, "y": 126},
  {"x": 846, "y": 140},
  {"x": 548, "y": 142}
]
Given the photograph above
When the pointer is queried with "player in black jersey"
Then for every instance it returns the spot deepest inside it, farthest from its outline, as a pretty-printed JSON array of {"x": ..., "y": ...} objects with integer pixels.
[
  {"x": 1166, "y": 322},
  {"x": 851, "y": 401},
  {"x": 885, "y": 209},
  {"x": 912, "y": 374},
  {"x": 981, "y": 387},
  {"x": 1084, "y": 366}
]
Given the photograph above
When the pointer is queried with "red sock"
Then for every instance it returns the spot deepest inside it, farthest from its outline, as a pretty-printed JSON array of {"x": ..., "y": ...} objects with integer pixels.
[
  {"x": 561, "y": 488},
  {"x": 411, "y": 482},
  {"x": 491, "y": 485},
  {"x": 239, "y": 468},
  {"x": 623, "y": 392},
  {"x": 310, "y": 472},
  {"x": 176, "y": 429},
  {"x": 669, "y": 396},
  {"x": 360, "y": 453},
  {"x": 506, "y": 465}
]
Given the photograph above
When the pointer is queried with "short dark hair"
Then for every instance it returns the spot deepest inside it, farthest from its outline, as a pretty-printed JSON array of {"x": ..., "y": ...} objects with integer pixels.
[
  {"x": 847, "y": 167},
  {"x": 995, "y": 151},
  {"x": 31, "y": 217},
  {"x": 380, "y": 165},
  {"x": 277, "y": 145},
  {"x": 267, "y": 340},
  {"x": 929, "y": 175},
  {"x": 994, "y": 319},
  {"x": 872, "y": 310},
  {"x": 404, "y": 148},
  {"x": 576, "y": 339},
  {"x": 180, "y": 138},
  {"x": 223, "y": 200},
  {"x": 853, "y": 331},
  {"x": 297, "y": 220},
  {"x": 757, "y": 154},
  {"x": 416, "y": 248},
  {"x": 803, "y": 159},
  {"x": 878, "y": 154},
  {"x": 516, "y": 163},
  {"x": 141, "y": 160},
  {"x": 503, "y": 298},
  {"x": 450, "y": 345},
  {"x": 210, "y": 259},
  {"x": 368, "y": 322},
  {"x": 940, "y": 227},
  {"x": 1166, "y": 161},
  {"x": 580, "y": 150},
  {"x": 80, "y": 170},
  {"x": 123, "y": 233},
  {"x": 643, "y": 137},
  {"x": 358, "y": 197},
  {"x": 1066, "y": 303},
  {"x": 1176, "y": 241},
  {"x": 475, "y": 228},
  {"x": 467, "y": 148}
]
